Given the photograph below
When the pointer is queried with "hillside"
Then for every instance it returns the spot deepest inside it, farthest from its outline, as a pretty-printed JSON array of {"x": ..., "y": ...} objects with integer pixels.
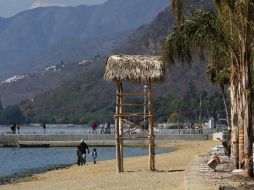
[
  {"x": 75, "y": 100},
  {"x": 15, "y": 91},
  {"x": 149, "y": 38},
  {"x": 53, "y": 33},
  {"x": 90, "y": 97}
]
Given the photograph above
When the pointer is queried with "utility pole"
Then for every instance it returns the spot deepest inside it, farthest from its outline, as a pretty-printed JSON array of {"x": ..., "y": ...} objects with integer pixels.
[
  {"x": 200, "y": 108},
  {"x": 145, "y": 100}
]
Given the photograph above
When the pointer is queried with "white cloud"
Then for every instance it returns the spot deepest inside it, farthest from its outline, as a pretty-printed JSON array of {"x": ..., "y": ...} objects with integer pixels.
[{"x": 45, "y": 3}]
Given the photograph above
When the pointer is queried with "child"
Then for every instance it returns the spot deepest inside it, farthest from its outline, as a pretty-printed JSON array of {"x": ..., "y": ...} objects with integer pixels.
[
  {"x": 94, "y": 155},
  {"x": 79, "y": 156}
]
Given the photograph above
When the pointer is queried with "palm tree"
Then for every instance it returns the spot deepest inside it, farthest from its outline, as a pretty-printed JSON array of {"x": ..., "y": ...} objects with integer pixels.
[
  {"x": 227, "y": 39},
  {"x": 177, "y": 7},
  {"x": 220, "y": 76}
]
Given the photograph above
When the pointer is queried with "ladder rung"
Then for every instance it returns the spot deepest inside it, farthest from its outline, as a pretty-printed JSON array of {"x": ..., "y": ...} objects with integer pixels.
[
  {"x": 132, "y": 94},
  {"x": 132, "y": 104},
  {"x": 132, "y": 114},
  {"x": 134, "y": 137}
]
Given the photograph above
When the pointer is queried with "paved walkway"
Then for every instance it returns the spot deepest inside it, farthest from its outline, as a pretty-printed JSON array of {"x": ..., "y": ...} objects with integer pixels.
[{"x": 199, "y": 176}]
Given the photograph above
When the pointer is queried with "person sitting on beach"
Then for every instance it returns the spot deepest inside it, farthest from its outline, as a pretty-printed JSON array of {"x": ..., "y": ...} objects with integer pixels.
[
  {"x": 94, "y": 155},
  {"x": 84, "y": 147},
  {"x": 79, "y": 156}
]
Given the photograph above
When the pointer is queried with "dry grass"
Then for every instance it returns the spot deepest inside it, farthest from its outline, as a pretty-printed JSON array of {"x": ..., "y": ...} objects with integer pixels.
[{"x": 134, "y": 68}]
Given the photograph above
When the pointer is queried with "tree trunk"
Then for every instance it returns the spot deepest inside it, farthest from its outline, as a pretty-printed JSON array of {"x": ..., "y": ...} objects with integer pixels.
[
  {"x": 247, "y": 112},
  {"x": 234, "y": 122},
  {"x": 246, "y": 40},
  {"x": 225, "y": 105},
  {"x": 240, "y": 126}
]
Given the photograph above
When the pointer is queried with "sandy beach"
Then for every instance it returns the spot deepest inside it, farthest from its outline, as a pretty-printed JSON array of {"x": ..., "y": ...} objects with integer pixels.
[{"x": 169, "y": 172}]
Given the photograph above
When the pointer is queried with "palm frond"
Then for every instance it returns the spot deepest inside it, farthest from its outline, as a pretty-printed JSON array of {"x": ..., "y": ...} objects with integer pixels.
[{"x": 199, "y": 33}]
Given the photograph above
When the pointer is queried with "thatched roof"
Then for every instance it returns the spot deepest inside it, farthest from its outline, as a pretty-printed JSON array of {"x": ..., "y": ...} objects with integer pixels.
[{"x": 134, "y": 68}]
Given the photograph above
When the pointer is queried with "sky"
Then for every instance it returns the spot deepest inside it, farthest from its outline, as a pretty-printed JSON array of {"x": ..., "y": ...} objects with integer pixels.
[{"x": 11, "y": 7}]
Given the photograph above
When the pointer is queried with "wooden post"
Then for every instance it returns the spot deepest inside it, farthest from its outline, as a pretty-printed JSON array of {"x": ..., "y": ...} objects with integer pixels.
[
  {"x": 151, "y": 129},
  {"x": 121, "y": 126},
  {"x": 118, "y": 154}
]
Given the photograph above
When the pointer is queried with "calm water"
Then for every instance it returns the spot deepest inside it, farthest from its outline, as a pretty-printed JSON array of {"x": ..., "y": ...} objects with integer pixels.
[{"x": 23, "y": 161}]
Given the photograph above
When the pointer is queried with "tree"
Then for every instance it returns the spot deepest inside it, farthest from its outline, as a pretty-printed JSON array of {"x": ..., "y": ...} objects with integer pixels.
[
  {"x": 11, "y": 114},
  {"x": 227, "y": 39},
  {"x": 220, "y": 76},
  {"x": 173, "y": 117},
  {"x": 1, "y": 105}
]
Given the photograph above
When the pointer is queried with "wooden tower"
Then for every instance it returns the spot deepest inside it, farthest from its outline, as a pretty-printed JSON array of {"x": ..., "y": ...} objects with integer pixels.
[{"x": 140, "y": 70}]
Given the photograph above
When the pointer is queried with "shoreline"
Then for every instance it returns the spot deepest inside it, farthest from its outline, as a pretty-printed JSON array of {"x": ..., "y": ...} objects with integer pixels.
[
  {"x": 169, "y": 167},
  {"x": 25, "y": 176},
  {"x": 28, "y": 175}
]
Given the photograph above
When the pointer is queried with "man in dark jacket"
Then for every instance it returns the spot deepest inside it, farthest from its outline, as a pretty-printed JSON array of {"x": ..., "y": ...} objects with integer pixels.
[{"x": 83, "y": 149}]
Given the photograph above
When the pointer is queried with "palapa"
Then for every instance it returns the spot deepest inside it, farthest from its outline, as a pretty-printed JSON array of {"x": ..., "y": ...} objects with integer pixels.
[
  {"x": 137, "y": 69},
  {"x": 134, "y": 68}
]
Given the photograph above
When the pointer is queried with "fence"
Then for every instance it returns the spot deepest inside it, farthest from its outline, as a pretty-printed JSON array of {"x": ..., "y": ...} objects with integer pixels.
[{"x": 75, "y": 130}]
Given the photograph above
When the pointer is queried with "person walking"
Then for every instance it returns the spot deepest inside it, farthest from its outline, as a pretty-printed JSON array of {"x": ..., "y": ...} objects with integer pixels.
[
  {"x": 108, "y": 128},
  {"x": 83, "y": 148},
  {"x": 102, "y": 129},
  {"x": 18, "y": 128},
  {"x": 79, "y": 155},
  {"x": 94, "y": 155},
  {"x": 94, "y": 127},
  {"x": 44, "y": 128},
  {"x": 13, "y": 128}
]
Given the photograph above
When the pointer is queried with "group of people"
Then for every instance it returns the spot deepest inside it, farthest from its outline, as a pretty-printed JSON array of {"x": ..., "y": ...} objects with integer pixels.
[
  {"x": 82, "y": 149},
  {"x": 104, "y": 128},
  {"x": 15, "y": 128},
  {"x": 190, "y": 128}
]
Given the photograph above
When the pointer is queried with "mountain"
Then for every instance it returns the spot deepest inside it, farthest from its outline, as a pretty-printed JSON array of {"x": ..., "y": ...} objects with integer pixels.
[
  {"x": 52, "y": 32},
  {"x": 148, "y": 38},
  {"x": 89, "y": 97}
]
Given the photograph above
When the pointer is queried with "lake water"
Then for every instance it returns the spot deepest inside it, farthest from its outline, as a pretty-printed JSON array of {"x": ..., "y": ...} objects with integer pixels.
[{"x": 16, "y": 162}]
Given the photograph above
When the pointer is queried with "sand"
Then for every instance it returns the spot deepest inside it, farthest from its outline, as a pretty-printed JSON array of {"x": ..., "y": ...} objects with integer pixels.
[{"x": 169, "y": 174}]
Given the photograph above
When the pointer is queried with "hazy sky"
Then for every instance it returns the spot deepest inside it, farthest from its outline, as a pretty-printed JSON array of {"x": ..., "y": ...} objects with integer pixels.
[{"x": 11, "y": 7}]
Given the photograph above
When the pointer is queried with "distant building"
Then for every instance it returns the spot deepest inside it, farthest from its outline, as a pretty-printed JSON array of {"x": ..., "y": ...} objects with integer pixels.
[
  {"x": 51, "y": 68},
  {"x": 85, "y": 62},
  {"x": 54, "y": 67},
  {"x": 15, "y": 78}
]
